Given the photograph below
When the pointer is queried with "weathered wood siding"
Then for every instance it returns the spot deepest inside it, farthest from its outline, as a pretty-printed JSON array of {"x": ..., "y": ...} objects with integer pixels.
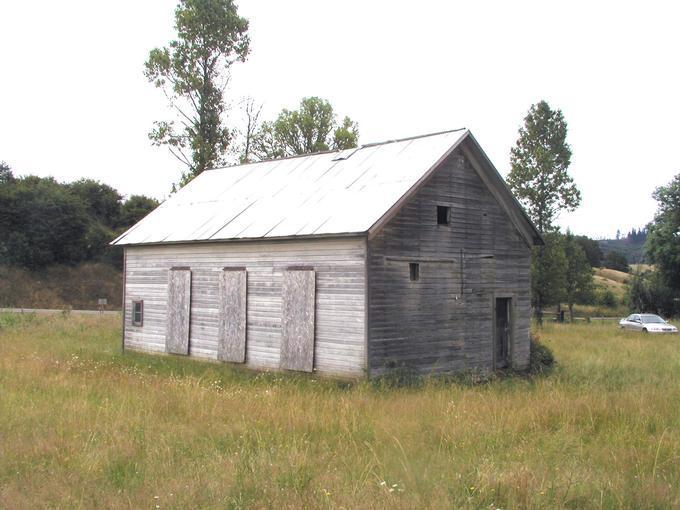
[
  {"x": 231, "y": 315},
  {"x": 179, "y": 304},
  {"x": 444, "y": 321},
  {"x": 339, "y": 266},
  {"x": 297, "y": 339}
]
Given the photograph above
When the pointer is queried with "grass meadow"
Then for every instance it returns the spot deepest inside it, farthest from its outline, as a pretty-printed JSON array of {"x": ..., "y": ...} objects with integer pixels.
[{"x": 83, "y": 425}]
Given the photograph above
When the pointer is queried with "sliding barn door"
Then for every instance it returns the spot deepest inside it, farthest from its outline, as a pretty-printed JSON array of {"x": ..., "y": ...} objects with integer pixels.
[
  {"x": 231, "y": 344},
  {"x": 179, "y": 310},
  {"x": 297, "y": 341}
]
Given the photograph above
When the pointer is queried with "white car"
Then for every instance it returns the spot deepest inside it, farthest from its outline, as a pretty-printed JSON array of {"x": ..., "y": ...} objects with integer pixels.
[{"x": 647, "y": 323}]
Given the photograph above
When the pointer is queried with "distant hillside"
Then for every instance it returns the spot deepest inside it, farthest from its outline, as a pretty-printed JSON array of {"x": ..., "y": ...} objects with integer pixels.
[
  {"x": 62, "y": 287},
  {"x": 631, "y": 245}
]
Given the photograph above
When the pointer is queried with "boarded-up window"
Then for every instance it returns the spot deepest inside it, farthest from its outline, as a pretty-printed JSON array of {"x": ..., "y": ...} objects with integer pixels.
[
  {"x": 231, "y": 344},
  {"x": 137, "y": 313},
  {"x": 179, "y": 310},
  {"x": 297, "y": 339}
]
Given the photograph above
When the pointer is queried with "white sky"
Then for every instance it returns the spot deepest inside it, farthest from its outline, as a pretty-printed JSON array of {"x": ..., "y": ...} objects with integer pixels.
[{"x": 74, "y": 102}]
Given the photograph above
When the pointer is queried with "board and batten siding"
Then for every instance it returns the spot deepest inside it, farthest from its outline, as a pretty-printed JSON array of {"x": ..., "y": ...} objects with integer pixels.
[
  {"x": 339, "y": 322},
  {"x": 444, "y": 322}
]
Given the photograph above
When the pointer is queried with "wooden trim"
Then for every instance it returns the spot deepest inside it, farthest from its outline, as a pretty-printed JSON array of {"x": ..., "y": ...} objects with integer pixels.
[
  {"x": 500, "y": 191},
  {"x": 122, "y": 341},
  {"x": 281, "y": 239},
  {"x": 367, "y": 307},
  {"x": 234, "y": 268},
  {"x": 299, "y": 268},
  {"x": 392, "y": 211},
  {"x": 420, "y": 260}
]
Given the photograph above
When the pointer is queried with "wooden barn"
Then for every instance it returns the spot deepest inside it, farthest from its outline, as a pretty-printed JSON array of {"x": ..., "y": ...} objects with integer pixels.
[{"x": 408, "y": 253}]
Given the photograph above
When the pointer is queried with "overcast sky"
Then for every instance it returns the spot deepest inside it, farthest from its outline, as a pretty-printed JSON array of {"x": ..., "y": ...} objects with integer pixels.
[{"x": 74, "y": 101}]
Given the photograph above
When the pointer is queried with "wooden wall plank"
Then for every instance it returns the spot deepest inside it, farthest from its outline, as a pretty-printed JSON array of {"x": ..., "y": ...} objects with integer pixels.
[
  {"x": 444, "y": 322},
  {"x": 179, "y": 310},
  {"x": 231, "y": 337},
  {"x": 297, "y": 316},
  {"x": 340, "y": 266}
]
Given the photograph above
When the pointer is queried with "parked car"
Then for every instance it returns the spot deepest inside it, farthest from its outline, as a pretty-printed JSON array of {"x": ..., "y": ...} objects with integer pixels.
[{"x": 647, "y": 323}]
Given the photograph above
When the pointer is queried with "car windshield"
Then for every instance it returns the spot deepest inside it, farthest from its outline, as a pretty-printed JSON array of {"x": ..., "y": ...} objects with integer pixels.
[{"x": 652, "y": 319}]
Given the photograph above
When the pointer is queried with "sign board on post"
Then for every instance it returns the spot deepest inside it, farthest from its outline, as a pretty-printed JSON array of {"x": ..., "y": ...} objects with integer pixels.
[{"x": 101, "y": 303}]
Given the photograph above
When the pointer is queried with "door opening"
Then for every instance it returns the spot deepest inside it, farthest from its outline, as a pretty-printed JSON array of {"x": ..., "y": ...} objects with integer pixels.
[{"x": 502, "y": 333}]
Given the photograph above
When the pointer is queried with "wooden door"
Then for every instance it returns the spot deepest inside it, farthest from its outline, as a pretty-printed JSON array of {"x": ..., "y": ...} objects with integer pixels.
[
  {"x": 179, "y": 310},
  {"x": 231, "y": 342},
  {"x": 502, "y": 333},
  {"x": 297, "y": 319}
]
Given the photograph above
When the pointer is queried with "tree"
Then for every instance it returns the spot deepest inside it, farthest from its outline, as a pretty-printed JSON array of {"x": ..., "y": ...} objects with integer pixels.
[
  {"x": 134, "y": 209},
  {"x": 101, "y": 200},
  {"x": 193, "y": 72},
  {"x": 6, "y": 175},
  {"x": 578, "y": 273},
  {"x": 311, "y": 128},
  {"x": 539, "y": 179},
  {"x": 548, "y": 270},
  {"x": 41, "y": 223},
  {"x": 252, "y": 113},
  {"x": 538, "y": 176},
  {"x": 592, "y": 250},
  {"x": 663, "y": 237},
  {"x": 616, "y": 260},
  {"x": 648, "y": 292}
]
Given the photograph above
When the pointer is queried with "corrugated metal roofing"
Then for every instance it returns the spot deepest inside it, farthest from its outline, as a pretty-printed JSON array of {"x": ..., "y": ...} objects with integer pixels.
[{"x": 321, "y": 194}]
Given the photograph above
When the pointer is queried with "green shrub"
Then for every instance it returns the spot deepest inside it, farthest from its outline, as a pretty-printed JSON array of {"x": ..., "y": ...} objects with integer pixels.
[
  {"x": 541, "y": 359},
  {"x": 399, "y": 376},
  {"x": 607, "y": 298}
]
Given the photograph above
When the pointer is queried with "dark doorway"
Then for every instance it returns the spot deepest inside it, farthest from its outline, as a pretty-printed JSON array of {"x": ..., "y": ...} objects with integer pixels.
[{"x": 502, "y": 333}]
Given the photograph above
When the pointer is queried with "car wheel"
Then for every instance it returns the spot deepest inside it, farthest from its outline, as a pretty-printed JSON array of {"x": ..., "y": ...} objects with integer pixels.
[{"x": 644, "y": 330}]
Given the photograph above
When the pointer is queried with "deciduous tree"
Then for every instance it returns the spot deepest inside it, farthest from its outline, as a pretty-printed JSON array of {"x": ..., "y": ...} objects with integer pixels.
[
  {"x": 539, "y": 179},
  {"x": 663, "y": 237},
  {"x": 592, "y": 250},
  {"x": 311, "y": 128},
  {"x": 193, "y": 72},
  {"x": 540, "y": 160},
  {"x": 134, "y": 209},
  {"x": 6, "y": 174},
  {"x": 616, "y": 260},
  {"x": 578, "y": 276},
  {"x": 548, "y": 270}
]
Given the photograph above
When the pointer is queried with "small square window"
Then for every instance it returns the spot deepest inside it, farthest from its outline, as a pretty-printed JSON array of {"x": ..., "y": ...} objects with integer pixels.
[
  {"x": 443, "y": 215},
  {"x": 137, "y": 313},
  {"x": 414, "y": 271}
]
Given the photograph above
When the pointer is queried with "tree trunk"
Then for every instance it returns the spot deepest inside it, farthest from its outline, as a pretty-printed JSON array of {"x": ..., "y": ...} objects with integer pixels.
[
  {"x": 571, "y": 312},
  {"x": 538, "y": 312}
]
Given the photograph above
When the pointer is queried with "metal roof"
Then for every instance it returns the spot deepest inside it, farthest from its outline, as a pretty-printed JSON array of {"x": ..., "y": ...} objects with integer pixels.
[{"x": 331, "y": 193}]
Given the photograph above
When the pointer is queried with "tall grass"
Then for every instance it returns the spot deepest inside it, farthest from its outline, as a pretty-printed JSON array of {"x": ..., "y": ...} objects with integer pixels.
[{"x": 83, "y": 425}]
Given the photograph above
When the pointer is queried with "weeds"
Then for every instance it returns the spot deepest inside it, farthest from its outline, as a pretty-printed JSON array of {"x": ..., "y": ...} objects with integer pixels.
[{"x": 84, "y": 425}]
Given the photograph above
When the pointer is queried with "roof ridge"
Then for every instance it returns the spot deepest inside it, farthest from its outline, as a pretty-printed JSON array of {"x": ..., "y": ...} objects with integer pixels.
[
  {"x": 362, "y": 146},
  {"x": 412, "y": 137}
]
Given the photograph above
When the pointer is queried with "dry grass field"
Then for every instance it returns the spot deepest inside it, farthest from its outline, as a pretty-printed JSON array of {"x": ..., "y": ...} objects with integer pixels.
[
  {"x": 612, "y": 274},
  {"x": 84, "y": 426}
]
